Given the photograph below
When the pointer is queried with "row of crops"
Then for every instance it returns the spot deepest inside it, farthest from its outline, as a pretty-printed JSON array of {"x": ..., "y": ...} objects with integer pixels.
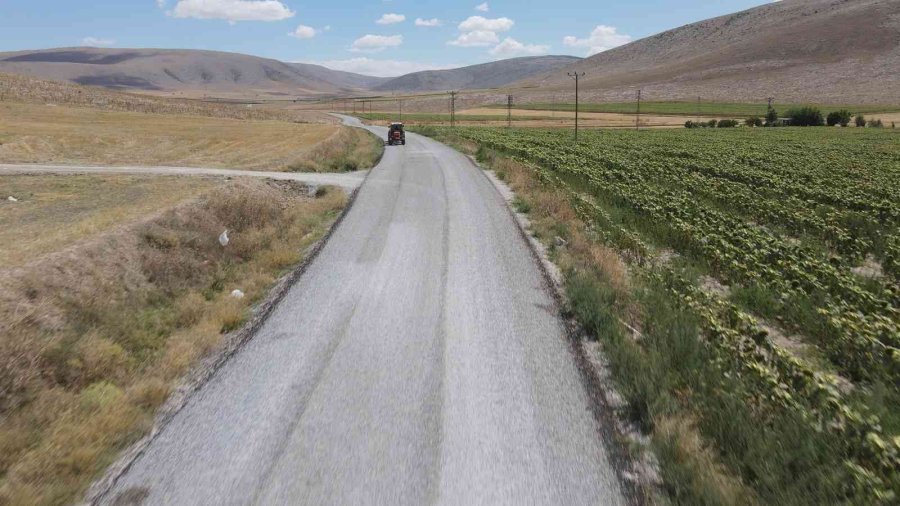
[{"x": 790, "y": 213}]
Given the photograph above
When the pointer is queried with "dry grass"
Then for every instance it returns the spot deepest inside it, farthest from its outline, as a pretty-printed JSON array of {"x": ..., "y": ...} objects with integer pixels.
[
  {"x": 351, "y": 149},
  {"x": 22, "y": 89},
  {"x": 94, "y": 337},
  {"x": 54, "y": 212},
  {"x": 32, "y": 133}
]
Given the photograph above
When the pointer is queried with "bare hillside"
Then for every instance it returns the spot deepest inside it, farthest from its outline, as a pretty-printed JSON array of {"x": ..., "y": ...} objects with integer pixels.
[
  {"x": 486, "y": 75},
  {"x": 29, "y": 90},
  {"x": 156, "y": 70},
  {"x": 838, "y": 51}
]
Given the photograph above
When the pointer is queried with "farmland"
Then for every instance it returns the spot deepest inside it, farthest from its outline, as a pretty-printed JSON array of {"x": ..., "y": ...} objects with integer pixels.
[
  {"x": 762, "y": 291},
  {"x": 700, "y": 108}
]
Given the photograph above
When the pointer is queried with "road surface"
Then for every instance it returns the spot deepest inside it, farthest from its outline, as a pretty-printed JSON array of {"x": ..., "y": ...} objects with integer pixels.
[
  {"x": 419, "y": 360},
  {"x": 348, "y": 180}
]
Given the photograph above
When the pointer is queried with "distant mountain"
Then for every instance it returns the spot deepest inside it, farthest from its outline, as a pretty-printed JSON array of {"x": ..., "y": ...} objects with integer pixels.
[
  {"x": 831, "y": 51},
  {"x": 165, "y": 70},
  {"x": 486, "y": 75},
  {"x": 341, "y": 79}
]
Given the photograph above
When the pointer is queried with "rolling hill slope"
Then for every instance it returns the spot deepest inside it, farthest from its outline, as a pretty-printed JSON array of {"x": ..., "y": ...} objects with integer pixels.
[
  {"x": 486, "y": 75},
  {"x": 833, "y": 51},
  {"x": 184, "y": 71}
]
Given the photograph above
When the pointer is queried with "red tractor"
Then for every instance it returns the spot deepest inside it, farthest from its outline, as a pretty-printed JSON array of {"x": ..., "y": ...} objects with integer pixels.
[{"x": 396, "y": 135}]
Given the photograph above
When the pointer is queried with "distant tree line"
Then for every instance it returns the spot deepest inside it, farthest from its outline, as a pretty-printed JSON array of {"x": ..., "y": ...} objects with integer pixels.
[{"x": 798, "y": 116}]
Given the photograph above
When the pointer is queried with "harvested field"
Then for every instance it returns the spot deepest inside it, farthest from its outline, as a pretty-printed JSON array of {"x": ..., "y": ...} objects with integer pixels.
[
  {"x": 37, "y": 133},
  {"x": 55, "y": 212}
]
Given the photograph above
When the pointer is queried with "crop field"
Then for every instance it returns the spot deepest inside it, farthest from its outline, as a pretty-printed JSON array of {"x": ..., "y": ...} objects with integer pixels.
[
  {"x": 783, "y": 246},
  {"x": 694, "y": 108}
]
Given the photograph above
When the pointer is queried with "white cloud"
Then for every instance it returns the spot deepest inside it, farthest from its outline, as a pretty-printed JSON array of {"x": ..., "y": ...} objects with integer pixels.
[
  {"x": 482, "y": 7},
  {"x": 304, "y": 32},
  {"x": 428, "y": 22},
  {"x": 95, "y": 42},
  {"x": 476, "y": 39},
  {"x": 601, "y": 39},
  {"x": 161, "y": 3},
  {"x": 390, "y": 19},
  {"x": 232, "y": 10},
  {"x": 511, "y": 47},
  {"x": 380, "y": 68},
  {"x": 375, "y": 43},
  {"x": 482, "y": 24}
]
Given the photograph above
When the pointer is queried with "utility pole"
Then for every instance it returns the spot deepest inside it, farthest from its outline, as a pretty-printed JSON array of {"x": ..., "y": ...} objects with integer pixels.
[
  {"x": 698, "y": 109},
  {"x": 401, "y": 111},
  {"x": 637, "y": 121},
  {"x": 452, "y": 108},
  {"x": 509, "y": 102},
  {"x": 576, "y": 76}
]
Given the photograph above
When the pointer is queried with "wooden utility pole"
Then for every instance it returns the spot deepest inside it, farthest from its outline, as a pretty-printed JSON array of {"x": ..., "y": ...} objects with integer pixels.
[
  {"x": 637, "y": 121},
  {"x": 509, "y": 103},
  {"x": 576, "y": 76},
  {"x": 452, "y": 108},
  {"x": 401, "y": 111}
]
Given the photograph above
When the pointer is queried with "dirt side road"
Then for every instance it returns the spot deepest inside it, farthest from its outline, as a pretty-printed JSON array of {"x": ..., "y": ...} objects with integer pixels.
[
  {"x": 419, "y": 360},
  {"x": 346, "y": 180}
]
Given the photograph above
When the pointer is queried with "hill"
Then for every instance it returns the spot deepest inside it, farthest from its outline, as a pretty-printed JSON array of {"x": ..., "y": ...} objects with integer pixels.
[
  {"x": 827, "y": 51},
  {"x": 187, "y": 72},
  {"x": 341, "y": 79},
  {"x": 486, "y": 75}
]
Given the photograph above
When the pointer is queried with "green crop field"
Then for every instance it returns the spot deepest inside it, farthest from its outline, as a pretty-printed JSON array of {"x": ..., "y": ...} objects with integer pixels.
[
  {"x": 694, "y": 109},
  {"x": 797, "y": 231}
]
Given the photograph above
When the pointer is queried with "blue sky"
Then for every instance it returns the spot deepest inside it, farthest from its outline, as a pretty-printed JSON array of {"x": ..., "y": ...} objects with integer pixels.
[{"x": 378, "y": 37}]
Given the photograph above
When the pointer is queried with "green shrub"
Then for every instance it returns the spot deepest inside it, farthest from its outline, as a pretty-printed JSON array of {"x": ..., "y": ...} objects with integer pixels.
[
  {"x": 727, "y": 123},
  {"x": 841, "y": 117},
  {"x": 806, "y": 116},
  {"x": 711, "y": 123},
  {"x": 771, "y": 116},
  {"x": 753, "y": 121},
  {"x": 860, "y": 120}
]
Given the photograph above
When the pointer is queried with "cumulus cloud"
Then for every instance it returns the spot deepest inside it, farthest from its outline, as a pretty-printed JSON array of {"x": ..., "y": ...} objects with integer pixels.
[
  {"x": 428, "y": 22},
  {"x": 602, "y": 38},
  {"x": 478, "y": 31},
  {"x": 482, "y": 24},
  {"x": 511, "y": 47},
  {"x": 375, "y": 43},
  {"x": 380, "y": 68},
  {"x": 304, "y": 32},
  {"x": 232, "y": 10},
  {"x": 475, "y": 39},
  {"x": 95, "y": 42},
  {"x": 390, "y": 19},
  {"x": 482, "y": 7}
]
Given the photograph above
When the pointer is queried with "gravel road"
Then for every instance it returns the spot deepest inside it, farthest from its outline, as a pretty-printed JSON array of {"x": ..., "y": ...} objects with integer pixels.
[
  {"x": 419, "y": 360},
  {"x": 348, "y": 180}
]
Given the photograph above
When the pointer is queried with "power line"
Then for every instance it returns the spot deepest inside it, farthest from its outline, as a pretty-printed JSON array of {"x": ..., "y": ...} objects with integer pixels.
[{"x": 576, "y": 76}]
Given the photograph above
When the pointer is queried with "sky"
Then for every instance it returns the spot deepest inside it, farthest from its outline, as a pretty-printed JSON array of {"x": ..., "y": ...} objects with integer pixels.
[{"x": 375, "y": 37}]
